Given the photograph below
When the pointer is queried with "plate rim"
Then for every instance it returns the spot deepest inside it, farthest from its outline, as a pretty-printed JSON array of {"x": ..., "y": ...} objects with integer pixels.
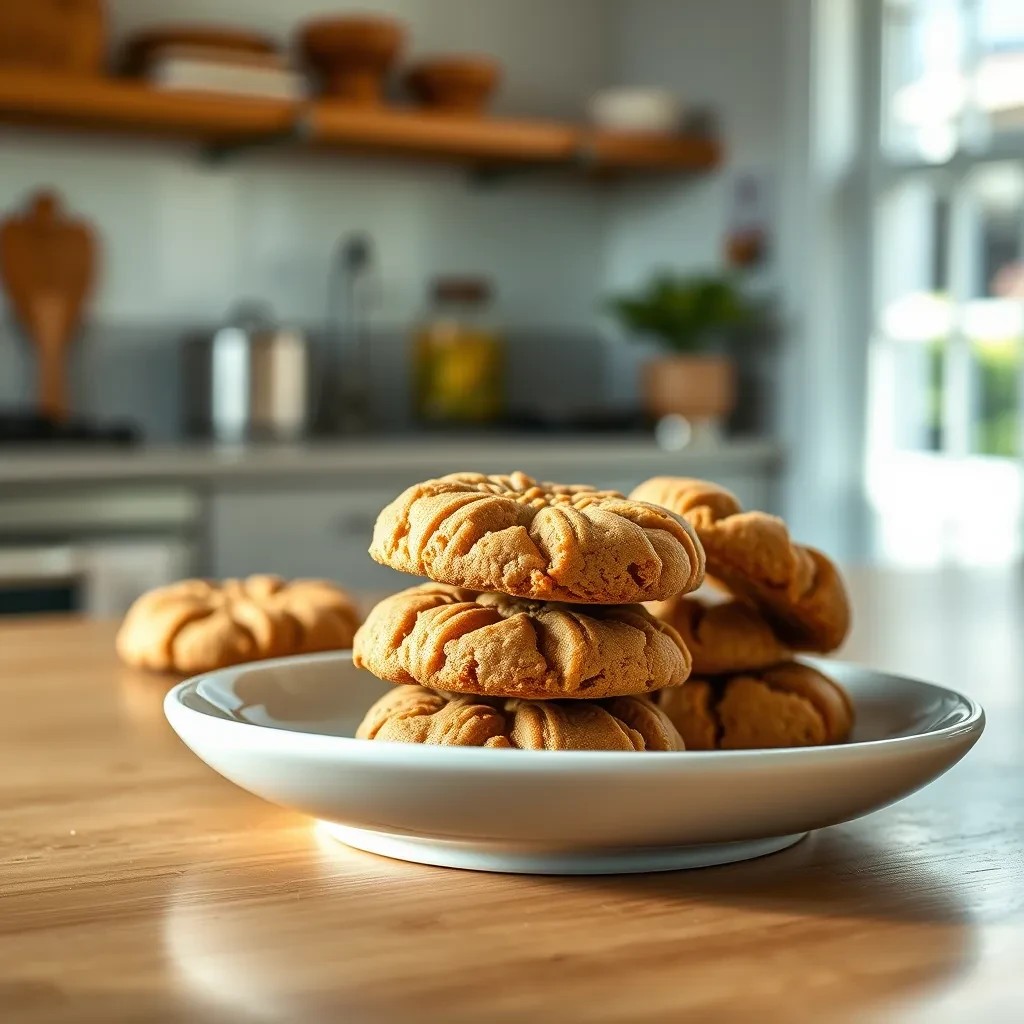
[{"x": 422, "y": 755}]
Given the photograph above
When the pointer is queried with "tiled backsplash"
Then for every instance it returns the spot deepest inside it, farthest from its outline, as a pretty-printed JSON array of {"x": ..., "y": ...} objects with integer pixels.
[{"x": 135, "y": 374}]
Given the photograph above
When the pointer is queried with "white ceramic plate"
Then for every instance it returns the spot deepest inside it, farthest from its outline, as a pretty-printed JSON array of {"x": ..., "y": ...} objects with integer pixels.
[{"x": 284, "y": 730}]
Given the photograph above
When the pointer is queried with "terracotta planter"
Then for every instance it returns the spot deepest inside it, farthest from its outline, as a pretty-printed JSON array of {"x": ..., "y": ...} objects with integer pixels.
[{"x": 699, "y": 387}]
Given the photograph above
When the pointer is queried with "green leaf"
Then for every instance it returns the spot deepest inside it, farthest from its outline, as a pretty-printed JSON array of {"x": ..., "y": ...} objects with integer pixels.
[{"x": 681, "y": 312}]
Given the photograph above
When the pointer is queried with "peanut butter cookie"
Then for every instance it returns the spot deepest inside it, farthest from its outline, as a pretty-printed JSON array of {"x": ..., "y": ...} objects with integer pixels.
[
  {"x": 796, "y": 588},
  {"x": 721, "y": 636},
  {"x": 199, "y": 625},
  {"x": 791, "y": 705},
  {"x": 414, "y": 714},
  {"x": 451, "y": 639},
  {"x": 544, "y": 541}
]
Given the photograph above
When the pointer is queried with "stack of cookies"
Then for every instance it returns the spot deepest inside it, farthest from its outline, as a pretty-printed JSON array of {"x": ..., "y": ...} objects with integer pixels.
[
  {"x": 774, "y": 597},
  {"x": 532, "y": 634}
]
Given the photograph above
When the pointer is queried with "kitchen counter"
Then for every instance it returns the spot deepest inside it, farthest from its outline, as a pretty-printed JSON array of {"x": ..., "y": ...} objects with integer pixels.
[
  {"x": 136, "y": 884},
  {"x": 421, "y": 455},
  {"x": 229, "y": 511}
]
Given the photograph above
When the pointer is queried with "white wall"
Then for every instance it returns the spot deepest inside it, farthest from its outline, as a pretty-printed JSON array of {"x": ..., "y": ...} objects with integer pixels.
[
  {"x": 728, "y": 55},
  {"x": 182, "y": 240}
]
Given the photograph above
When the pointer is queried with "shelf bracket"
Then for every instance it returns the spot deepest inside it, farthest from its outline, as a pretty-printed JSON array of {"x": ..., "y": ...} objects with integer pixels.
[
  {"x": 583, "y": 158},
  {"x": 216, "y": 154},
  {"x": 491, "y": 175}
]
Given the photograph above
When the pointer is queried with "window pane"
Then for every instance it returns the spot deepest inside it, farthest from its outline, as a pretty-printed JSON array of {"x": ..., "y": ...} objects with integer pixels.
[
  {"x": 997, "y": 81},
  {"x": 997, "y": 202},
  {"x": 997, "y": 368},
  {"x": 912, "y": 258},
  {"x": 953, "y": 76},
  {"x": 907, "y": 384},
  {"x": 915, "y": 318},
  {"x": 991, "y": 320},
  {"x": 925, "y": 83}
]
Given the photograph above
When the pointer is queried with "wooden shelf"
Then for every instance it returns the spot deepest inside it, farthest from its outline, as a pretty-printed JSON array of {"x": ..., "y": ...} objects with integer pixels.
[
  {"x": 441, "y": 136},
  {"x": 111, "y": 104},
  {"x": 612, "y": 151},
  {"x": 123, "y": 106}
]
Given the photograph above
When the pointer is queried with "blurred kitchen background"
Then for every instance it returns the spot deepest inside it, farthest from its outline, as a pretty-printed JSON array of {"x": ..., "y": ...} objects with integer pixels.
[{"x": 262, "y": 265}]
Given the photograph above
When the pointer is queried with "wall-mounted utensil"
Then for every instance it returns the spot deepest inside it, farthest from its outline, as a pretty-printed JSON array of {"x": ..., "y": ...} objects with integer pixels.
[
  {"x": 48, "y": 267},
  {"x": 350, "y": 296}
]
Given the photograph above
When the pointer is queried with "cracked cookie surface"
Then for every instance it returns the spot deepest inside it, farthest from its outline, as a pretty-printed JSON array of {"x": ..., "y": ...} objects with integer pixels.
[
  {"x": 797, "y": 588},
  {"x": 790, "y": 705},
  {"x": 446, "y": 638},
  {"x": 414, "y": 714},
  {"x": 199, "y": 625},
  {"x": 544, "y": 541}
]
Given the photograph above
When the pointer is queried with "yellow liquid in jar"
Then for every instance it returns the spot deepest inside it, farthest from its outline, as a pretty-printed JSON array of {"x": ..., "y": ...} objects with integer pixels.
[{"x": 458, "y": 373}]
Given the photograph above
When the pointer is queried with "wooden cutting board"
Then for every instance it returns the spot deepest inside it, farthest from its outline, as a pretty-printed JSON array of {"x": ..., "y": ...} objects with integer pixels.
[{"x": 47, "y": 267}]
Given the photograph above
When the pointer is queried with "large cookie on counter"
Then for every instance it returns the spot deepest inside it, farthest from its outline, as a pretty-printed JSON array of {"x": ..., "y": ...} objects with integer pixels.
[
  {"x": 797, "y": 588},
  {"x": 543, "y": 541},
  {"x": 451, "y": 639},
  {"x": 414, "y": 714},
  {"x": 722, "y": 636},
  {"x": 790, "y": 705},
  {"x": 199, "y": 625}
]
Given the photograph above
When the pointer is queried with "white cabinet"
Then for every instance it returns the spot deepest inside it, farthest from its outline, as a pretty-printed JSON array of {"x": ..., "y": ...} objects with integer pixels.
[
  {"x": 318, "y": 533},
  {"x": 296, "y": 529}
]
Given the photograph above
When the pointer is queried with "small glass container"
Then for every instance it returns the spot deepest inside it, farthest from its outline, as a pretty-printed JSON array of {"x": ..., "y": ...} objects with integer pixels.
[{"x": 459, "y": 355}]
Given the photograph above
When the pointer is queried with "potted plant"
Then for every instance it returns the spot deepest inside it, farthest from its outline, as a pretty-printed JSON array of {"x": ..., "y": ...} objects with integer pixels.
[{"x": 689, "y": 318}]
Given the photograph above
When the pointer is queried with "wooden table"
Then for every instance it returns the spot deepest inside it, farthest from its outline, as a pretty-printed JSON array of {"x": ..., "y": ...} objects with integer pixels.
[{"x": 138, "y": 885}]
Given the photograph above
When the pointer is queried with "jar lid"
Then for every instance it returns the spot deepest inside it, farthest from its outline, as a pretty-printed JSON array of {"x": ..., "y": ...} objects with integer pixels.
[{"x": 461, "y": 289}]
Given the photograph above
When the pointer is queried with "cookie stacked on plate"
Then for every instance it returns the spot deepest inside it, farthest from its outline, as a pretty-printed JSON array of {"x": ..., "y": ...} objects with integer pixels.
[
  {"x": 532, "y": 634},
  {"x": 775, "y": 597}
]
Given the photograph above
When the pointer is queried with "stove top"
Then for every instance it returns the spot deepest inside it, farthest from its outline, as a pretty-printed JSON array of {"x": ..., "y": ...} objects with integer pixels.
[{"x": 32, "y": 428}]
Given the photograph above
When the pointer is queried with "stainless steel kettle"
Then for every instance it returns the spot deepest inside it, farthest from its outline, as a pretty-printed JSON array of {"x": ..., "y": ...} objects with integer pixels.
[{"x": 250, "y": 380}]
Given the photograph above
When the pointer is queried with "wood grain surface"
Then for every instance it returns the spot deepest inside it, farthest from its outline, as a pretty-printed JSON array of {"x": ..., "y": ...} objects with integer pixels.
[
  {"x": 135, "y": 884},
  {"x": 48, "y": 99}
]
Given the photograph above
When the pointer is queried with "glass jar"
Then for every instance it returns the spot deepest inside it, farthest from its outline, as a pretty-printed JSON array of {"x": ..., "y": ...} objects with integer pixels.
[{"x": 459, "y": 356}]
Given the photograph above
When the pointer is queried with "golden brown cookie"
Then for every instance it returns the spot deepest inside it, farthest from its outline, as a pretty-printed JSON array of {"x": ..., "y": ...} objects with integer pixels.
[
  {"x": 544, "y": 541},
  {"x": 451, "y": 639},
  {"x": 414, "y": 714},
  {"x": 790, "y": 705},
  {"x": 200, "y": 625},
  {"x": 721, "y": 636},
  {"x": 797, "y": 588}
]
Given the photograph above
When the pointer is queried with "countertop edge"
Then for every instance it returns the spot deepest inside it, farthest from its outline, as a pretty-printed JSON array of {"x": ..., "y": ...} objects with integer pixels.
[{"x": 33, "y": 467}]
